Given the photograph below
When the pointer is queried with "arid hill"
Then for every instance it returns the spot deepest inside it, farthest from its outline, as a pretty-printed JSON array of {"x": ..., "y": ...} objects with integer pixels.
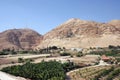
[
  {"x": 83, "y": 34},
  {"x": 19, "y": 39},
  {"x": 74, "y": 33}
]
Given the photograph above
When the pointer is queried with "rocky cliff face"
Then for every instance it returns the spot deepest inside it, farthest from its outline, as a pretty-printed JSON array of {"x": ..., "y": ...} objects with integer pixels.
[
  {"x": 83, "y": 34},
  {"x": 19, "y": 39}
]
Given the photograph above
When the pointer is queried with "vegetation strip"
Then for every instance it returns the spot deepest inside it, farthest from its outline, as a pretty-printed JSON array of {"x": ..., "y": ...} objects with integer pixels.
[{"x": 51, "y": 70}]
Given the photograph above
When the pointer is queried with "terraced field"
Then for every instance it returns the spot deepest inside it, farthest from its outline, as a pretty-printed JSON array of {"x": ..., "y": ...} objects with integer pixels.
[{"x": 96, "y": 73}]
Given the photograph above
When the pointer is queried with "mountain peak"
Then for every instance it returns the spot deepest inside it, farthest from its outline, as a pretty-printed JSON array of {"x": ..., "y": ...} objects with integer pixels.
[
  {"x": 83, "y": 34},
  {"x": 19, "y": 39},
  {"x": 72, "y": 20}
]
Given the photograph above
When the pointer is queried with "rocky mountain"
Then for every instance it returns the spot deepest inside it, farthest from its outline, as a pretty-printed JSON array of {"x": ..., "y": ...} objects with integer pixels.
[
  {"x": 76, "y": 33},
  {"x": 19, "y": 39}
]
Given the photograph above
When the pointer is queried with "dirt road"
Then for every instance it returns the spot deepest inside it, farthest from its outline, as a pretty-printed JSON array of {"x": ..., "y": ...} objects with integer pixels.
[{"x": 5, "y": 76}]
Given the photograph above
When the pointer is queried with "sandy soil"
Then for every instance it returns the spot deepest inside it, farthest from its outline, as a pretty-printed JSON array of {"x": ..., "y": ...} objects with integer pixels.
[
  {"x": 7, "y": 59},
  {"x": 5, "y": 76}
]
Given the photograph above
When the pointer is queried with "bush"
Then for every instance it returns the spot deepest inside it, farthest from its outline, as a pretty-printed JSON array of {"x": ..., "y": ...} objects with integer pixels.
[
  {"x": 28, "y": 60},
  {"x": 20, "y": 60},
  {"x": 23, "y": 52},
  {"x": 79, "y": 54},
  {"x": 64, "y": 54},
  {"x": 107, "y": 53},
  {"x": 69, "y": 66}
]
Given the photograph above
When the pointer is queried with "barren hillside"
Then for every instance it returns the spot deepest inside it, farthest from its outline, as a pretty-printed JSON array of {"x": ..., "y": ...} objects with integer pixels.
[
  {"x": 19, "y": 39},
  {"x": 83, "y": 34}
]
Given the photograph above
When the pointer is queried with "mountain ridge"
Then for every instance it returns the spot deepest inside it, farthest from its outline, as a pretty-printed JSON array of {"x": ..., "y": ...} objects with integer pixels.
[
  {"x": 72, "y": 33},
  {"x": 86, "y": 34}
]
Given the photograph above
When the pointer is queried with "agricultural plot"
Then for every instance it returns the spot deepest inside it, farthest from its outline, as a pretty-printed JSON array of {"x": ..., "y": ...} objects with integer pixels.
[{"x": 96, "y": 73}]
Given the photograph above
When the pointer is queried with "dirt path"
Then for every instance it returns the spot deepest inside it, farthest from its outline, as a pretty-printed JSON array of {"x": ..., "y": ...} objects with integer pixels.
[{"x": 5, "y": 76}]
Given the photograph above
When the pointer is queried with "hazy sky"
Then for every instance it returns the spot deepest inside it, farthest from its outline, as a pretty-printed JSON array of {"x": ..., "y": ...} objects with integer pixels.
[{"x": 44, "y": 15}]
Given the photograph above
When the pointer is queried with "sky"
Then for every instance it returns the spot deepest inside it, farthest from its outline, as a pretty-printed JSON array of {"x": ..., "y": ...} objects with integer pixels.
[{"x": 44, "y": 15}]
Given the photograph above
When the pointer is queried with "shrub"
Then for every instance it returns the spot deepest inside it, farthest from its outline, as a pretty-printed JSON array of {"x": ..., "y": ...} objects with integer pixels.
[
  {"x": 79, "y": 54},
  {"x": 20, "y": 60},
  {"x": 64, "y": 54}
]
